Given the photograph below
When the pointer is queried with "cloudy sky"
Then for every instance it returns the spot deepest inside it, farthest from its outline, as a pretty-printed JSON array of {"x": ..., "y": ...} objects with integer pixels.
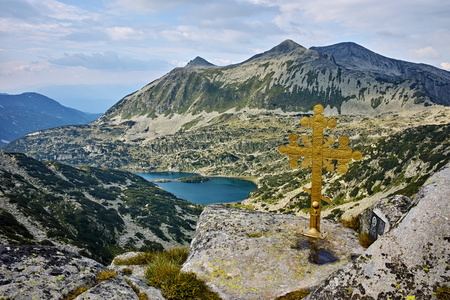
[{"x": 88, "y": 54}]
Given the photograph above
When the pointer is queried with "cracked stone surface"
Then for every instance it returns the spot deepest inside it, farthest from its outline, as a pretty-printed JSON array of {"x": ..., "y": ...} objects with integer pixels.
[{"x": 243, "y": 254}]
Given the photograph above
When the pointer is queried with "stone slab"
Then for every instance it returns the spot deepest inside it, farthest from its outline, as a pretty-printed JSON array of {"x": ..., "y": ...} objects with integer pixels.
[{"x": 243, "y": 254}]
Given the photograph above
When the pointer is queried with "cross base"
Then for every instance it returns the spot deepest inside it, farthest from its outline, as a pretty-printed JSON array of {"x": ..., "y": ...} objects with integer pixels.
[{"x": 313, "y": 233}]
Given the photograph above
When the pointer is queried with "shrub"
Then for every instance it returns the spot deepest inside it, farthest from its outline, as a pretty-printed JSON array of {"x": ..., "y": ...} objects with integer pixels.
[{"x": 335, "y": 214}]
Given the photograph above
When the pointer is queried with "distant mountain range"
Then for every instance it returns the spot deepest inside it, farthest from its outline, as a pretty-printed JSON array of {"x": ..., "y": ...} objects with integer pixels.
[
  {"x": 28, "y": 112},
  {"x": 345, "y": 77}
]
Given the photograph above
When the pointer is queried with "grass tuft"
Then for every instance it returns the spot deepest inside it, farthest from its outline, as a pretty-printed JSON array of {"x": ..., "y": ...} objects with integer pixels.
[
  {"x": 352, "y": 223},
  {"x": 365, "y": 240},
  {"x": 105, "y": 275},
  {"x": 300, "y": 294},
  {"x": 140, "y": 259},
  {"x": 127, "y": 271},
  {"x": 164, "y": 273},
  {"x": 443, "y": 293},
  {"x": 143, "y": 296},
  {"x": 77, "y": 292},
  {"x": 133, "y": 286}
]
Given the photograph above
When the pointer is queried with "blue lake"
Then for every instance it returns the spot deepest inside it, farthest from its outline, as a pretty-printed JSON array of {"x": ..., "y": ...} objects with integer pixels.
[{"x": 216, "y": 190}]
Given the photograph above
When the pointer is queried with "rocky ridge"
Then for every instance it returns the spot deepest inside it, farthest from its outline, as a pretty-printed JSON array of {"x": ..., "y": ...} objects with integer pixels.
[
  {"x": 355, "y": 57},
  {"x": 292, "y": 78}
]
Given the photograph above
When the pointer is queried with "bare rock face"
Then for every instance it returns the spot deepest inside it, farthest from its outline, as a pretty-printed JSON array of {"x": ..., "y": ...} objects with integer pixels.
[
  {"x": 113, "y": 288},
  {"x": 244, "y": 254},
  {"x": 408, "y": 262},
  {"x": 35, "y": 272},
  {"x": 29, "y": 272}
]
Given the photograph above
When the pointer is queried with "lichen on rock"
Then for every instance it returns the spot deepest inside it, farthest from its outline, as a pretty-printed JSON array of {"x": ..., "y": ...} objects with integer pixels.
[
  {"x": 243, "y": 254},
  {"x": 36, "y": 272},
  {"x": 30, "y": 272}
]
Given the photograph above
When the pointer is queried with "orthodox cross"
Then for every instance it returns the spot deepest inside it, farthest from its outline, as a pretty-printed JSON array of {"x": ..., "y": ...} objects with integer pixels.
[{"x": 319, "y": 154}]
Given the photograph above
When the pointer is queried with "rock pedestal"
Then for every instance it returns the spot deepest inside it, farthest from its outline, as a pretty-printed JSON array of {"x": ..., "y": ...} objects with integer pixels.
[{"x": 243, "y": 254}]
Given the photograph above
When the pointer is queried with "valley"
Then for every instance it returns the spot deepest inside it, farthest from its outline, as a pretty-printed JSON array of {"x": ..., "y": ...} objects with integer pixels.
[{"x": 49, "y": 203}]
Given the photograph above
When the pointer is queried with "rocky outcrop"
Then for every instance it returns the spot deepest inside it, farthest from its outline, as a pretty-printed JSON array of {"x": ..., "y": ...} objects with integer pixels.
[
  {"x": 31, "y": 272},
  {"x": 408, "y": 262},
  {"x": 243, "y": 254}
]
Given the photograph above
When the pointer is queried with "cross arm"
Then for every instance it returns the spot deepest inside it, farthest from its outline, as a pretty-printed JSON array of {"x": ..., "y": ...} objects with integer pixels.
[
  {"x": 297, "y": 151},
  {"x": 338, "y": 154}
]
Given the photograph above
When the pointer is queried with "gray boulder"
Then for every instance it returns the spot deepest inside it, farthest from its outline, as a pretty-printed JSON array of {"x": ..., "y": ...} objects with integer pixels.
[
  {"x": 113, "y": 288},
  {"x": 29, "y": 272},
  {"x": 243, "y": 254},
  {"x": 409, "y": 262}
]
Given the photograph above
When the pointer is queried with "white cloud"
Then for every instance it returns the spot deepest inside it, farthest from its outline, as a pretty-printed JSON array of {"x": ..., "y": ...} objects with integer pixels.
[
  {"x": 108, "y": 60},
  {"x": 445, "y": 66},
  {"x": 152, "y": 6},
  {"x": 149, "y": 34},
  {"x": 61, "y": 11},
  {"x": 124, "y": 33},
  {"x": 222, "y": 62},
  {"x": 19, "y": 68},
  {"x": 425, "y": 53}
]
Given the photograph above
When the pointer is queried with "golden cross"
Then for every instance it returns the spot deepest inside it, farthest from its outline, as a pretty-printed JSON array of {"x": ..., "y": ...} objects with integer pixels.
[{"x": 318, "y": 153}]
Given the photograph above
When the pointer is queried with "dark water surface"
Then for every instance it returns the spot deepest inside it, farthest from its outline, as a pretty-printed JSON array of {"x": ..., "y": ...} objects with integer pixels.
[{"x": 216, "y": 190}]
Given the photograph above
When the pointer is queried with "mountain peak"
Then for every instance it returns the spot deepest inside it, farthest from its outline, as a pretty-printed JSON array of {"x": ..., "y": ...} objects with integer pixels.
[
  {"x": 354, "y": 56},
  {"x": 285, "y": 47},
  {"x": 199, "y": 62}
]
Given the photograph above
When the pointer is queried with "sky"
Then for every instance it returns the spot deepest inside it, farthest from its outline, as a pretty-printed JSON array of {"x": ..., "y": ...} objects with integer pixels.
[{"x": 88, "y": 54}]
